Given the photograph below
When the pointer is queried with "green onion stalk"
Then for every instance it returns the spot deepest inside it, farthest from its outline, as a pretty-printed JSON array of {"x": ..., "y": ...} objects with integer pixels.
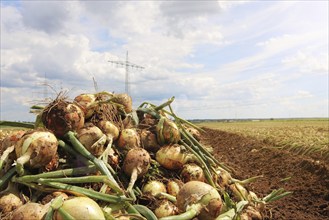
[{"x": 98, "y": 163}]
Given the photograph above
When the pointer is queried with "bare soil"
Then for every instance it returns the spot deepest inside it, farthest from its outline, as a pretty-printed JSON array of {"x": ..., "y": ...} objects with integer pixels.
[{"x": 306, "y": 177}]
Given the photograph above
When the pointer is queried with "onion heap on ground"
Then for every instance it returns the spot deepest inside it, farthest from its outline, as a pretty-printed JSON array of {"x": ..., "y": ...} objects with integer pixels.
[{"x": 97, "y": 153}]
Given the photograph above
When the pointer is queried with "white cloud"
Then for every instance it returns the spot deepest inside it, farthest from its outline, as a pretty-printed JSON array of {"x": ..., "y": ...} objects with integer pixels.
[{"x": 214, "y": 55}]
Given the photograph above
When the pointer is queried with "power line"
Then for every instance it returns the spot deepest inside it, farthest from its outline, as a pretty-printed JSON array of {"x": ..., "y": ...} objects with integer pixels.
[{"x": 127, "y": 65}]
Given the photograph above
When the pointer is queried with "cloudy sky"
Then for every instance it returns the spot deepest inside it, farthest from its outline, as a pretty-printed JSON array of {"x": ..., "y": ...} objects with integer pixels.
[{"x": 220, "y": 59}]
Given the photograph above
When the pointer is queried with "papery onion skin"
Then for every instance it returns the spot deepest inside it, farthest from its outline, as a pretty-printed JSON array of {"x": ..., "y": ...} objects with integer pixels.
[
  {"x": 86, "y": 102},
  {"x": 149, "y": 141},
  {"x": 128, "y": 139},
  {"x": 30, "y": 211},
  {"x": 154, "y": 187},
  {"x": 192, "y": 171},
  {"x": 125, "y": 100},
  {"x": 109, "y": 129},
  {"x": 11, "y": 139},
  {"x": 89, "y": 135},
  {"x": 137, "y": 158},
  {"x": 165, "y": 208},
  {"x": 61, "y": 116},
  {"x": 173, "y": 156},
  {"x": 9, "y": 202},
  {"x": 81, "y": 208},
  {"x": 167, "y": 132},
  {"x": 173, "y": 187},
  {"x": 192, "y": 192},
  {"x": 41, "y": 145}
]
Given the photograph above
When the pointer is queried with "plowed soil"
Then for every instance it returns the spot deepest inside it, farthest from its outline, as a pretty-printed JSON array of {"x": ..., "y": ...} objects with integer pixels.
[{"x": 306, "y": 177}]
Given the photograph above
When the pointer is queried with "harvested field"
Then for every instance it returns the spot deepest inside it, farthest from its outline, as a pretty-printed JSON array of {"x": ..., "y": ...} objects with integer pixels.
[{"x": 306, "y": 177}]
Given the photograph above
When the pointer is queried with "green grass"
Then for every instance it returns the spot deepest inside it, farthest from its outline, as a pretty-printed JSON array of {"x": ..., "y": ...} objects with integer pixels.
[{"x": 309, "y": 136}]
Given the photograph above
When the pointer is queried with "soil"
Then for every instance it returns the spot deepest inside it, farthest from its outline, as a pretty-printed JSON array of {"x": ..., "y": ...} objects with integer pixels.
[{"x": 306, "y": 177}]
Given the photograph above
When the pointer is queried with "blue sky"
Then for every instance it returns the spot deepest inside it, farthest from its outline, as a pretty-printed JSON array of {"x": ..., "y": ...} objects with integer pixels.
[{"x": 220, "y": 59}]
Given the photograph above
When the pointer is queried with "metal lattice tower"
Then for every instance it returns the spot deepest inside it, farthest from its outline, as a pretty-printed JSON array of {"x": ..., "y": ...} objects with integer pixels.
[{"x": 127, "y": 65}]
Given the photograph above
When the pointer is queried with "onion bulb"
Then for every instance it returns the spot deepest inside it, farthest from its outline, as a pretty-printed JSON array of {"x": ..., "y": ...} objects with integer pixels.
[
  {"x": 149, "y": 141},
  {"x": 125, "y": 100},
  {"x": 10, "y": 199},
  {"x": 30, "y": 211},
  {"x": 173, "y": 156},
  {"x": 80, "y": 208},
  {"x": 173, "y": 187},
  {"x": 35, "y": 149},
  {"x": 109, "y": 129},
  {"x": 194, "y": 132},
  {"x": 165, "y": 208},
  {"x": 92, "y": 139},
  {"x": 11, "y": 140},
  {"x": 167, "y": 131},
  {"x": 128, "y": 139},
  {"x": 192, "y": 171},
  {"x": 192, "y": 192},
  {"x": 136, "y": 164},
  {"x": 86, "y": 103},
  {"x": 250, "y": 213},
  {"x": 154, "y": 187},
  {"x": 61, "y": 116}
]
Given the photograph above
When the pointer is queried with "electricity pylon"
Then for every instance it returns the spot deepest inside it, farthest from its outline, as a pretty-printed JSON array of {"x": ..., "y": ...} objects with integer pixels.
[{"x": 127, "y": 65}]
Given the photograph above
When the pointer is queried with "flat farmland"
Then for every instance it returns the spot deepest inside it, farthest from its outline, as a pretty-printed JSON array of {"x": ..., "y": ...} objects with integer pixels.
[
  {"x": 306, "y": 137},
  {"x": 289, "y": 154}
]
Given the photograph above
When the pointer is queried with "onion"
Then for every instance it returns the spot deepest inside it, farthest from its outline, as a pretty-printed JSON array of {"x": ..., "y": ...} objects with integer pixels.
[
  {"x": 165, "y": 208},
  {"x": 173, "y": 156},
  {"x": 191, "y": 172},
  {"x": 167, "y": 131},
  {"x": 239, "y": 192},
  {"x": 128, "y": 139},
  {"x": 7, "y": 148},
  {"x": 86, "y": 103},
  {"x": 193, "y": 192},
  {"x": 35, "y": 149},
  {"x": 11, "y": 140},
  {"x": 125, "y": 100},
  {"x": 10, "y": 199},
  {"x": 61, "y": 116},
  {"x": 80, "y": 208},
  {"x": 109, "y": 129},
  {"x": 224, "y": 177},
  {"x": 136, "y": 164},
  {"x": 30, "y": 211},
  {"x": 173, "y": 187},
  {"x": 250, "y": 213},
  {"x": 149, "y": 141},
  {"x": 194, "y": 132},
  {"x": 154, "y": 187},
  {"x": 92, "y": 139}
]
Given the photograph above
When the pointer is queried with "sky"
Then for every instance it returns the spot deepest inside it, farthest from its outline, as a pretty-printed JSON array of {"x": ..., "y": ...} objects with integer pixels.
[{"x": 220, "y": 59}]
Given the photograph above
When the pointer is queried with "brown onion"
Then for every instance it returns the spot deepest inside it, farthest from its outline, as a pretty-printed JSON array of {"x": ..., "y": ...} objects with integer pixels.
[
  {"x": 86, "y": 103},
  {"x": 80, "y": 208},
  {"x": 123, "y": 99},
  {"x": 173, "y": 187},
  {"x": 61, "y": 116},
  {"x": 193, "y": 191},
  {"x": 128, "y": 139},
  {"x": 192, "y": 171},
  {"x": 154, "y": 187},
  {"x": 167, "y": 131},
  {"x": 173, "y": 156},
  {"x": 165, "y": 208},
  {"x": 35, "y": 149},
  {"x": 92, "y": 139},
  {"x": 149, "y": 141},
  {"x": 136, "y": 164},
  {"x": 30, "y": 211}
]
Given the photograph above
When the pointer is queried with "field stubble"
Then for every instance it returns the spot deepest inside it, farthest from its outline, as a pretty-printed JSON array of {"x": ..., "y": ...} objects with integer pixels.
[{"x": 305, "y": 137}]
